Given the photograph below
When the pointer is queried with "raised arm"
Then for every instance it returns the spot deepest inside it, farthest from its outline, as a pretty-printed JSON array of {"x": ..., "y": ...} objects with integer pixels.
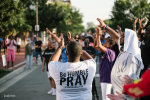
[
  {"x": 119, "y": 28},
  {"x": 134, "y": 25},
  {"x": 85, "y": 55},
  {"x": 98, "y": 44},
  {"x": 141, "y": 26},
  {"x": 54, "y": 36},
  {"x": 57, "y": 53},
  {"x": 111, "y": 32}
]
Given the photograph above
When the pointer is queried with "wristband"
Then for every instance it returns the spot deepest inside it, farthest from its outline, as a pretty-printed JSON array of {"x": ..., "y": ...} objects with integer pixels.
[
  {"x": 60, "y": 47},
  {"x": 105, "y": 27}
]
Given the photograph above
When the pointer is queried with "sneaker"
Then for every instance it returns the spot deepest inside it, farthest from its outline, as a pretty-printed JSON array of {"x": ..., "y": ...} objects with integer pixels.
[
  {"x": 50, "y": 92},
  {"x": 54, "y": 92}
]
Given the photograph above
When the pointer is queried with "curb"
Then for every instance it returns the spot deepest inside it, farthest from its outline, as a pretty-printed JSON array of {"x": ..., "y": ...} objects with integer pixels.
[{"x": 12, "y": 74}]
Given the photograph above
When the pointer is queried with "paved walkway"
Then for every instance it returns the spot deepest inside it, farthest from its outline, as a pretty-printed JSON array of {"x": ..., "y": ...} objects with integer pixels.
[{"x": 31, "y": 85}]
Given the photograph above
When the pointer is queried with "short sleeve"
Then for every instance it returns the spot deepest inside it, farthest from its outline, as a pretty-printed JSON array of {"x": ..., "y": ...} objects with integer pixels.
[
  {"x": 52, "y": 67},
  {"x": 90, "y": 62},
  {"x": 110, "y": 54}
]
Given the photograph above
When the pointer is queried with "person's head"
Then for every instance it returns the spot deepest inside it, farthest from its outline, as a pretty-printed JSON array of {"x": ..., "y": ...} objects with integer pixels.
[
  {"x": 76, "y": 36},
  {"x": 83, "y": 38},
  {"x": 86, "y": 42},
  {"x": 74, "y": 51},
  {"x": 37, "y": 38},
  {"x": 11, "y": 37},
  {"x": 28, "y": 40},
  {"x": 122, "y": 39},
  {"x": 34, "y": 36},
  {"x": 50, "y": 44},
  {"x": 108, "y": 43}
]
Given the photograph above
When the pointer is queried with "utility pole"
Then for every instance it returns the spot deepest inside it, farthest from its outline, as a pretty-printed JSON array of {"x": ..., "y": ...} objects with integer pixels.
[{"x": 37, "y": 27}]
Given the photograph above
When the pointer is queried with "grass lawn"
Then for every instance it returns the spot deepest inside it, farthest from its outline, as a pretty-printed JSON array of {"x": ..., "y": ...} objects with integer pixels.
[{"x": 3, "y": 72}]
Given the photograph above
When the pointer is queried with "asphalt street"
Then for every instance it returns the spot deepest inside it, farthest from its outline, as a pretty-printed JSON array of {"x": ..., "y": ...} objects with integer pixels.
[{"x": 33, "y": 86}]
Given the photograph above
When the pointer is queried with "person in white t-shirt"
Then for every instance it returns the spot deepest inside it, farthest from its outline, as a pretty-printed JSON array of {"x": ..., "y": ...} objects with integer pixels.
[
  {"x": 73, "y": 79},
  {"x": 18, "y": 44}
]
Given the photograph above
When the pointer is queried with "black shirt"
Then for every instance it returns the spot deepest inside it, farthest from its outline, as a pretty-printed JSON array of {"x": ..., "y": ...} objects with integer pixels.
[
  {"x": 47, "y": 54},
  {"x": 38, "y": 43},
  {"x": 145, "y": 51},
  {"x": 90, "y": 50}
]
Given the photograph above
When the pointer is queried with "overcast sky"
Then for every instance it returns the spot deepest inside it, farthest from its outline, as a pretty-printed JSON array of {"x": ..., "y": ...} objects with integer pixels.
[{"x": 91, "y": 9}]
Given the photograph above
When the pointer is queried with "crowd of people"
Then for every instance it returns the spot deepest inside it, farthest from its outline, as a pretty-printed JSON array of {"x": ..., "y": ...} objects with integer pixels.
[
  {"x": 124, "y": 59},
  {"x": 71, "y": 62}
]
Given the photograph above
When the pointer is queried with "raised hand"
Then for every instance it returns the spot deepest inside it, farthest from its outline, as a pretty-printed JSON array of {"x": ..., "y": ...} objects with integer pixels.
[
  {"x": 102, "y": 24},
  {"x": 54, "y": 36},
  {"x": 98, "y": 31},
  {"x": 61, "y": 42},
  {"x": 69, "y": 35},
  {"x": 140, "y": 23},
  {"x": 127, "y": 80},
  {"x": 48, "y": 31},
  {"x": 119, "y": 28},
  {"x": 136, "y": 20}
]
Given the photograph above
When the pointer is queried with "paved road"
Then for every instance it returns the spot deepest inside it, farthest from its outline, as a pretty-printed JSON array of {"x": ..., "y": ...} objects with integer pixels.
[{"x": 33, "y": 86}]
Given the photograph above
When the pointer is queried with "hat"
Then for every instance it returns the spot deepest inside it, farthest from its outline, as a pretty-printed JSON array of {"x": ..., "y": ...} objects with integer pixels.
[{"x": 141, "y": 89}]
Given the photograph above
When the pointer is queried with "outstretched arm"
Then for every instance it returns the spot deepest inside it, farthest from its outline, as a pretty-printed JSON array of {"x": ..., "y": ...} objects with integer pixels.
[
  {"x": 119, "y": 28},
  {"x": 111, "y": 32},
  {"x": 99, "y": 46},
  {"x": 54, "y": 36},
  {"x": 141, "y": 26},
  {"x": 134, "y": 25},
  {"x": 57, "y": 53}
]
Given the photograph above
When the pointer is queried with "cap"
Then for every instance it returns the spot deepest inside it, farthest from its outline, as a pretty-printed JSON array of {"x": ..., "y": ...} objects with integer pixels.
[{"x": 141, "y": 89}]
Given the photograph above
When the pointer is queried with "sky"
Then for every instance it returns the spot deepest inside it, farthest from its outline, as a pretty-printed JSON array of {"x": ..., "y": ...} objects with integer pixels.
[{"x": 92, "y": 9}]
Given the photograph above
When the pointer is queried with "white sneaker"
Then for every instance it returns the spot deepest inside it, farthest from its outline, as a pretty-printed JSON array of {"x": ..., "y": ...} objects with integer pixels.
[
  {"x": 50, "y": 92},
  {"x": 54, "y": 93}
]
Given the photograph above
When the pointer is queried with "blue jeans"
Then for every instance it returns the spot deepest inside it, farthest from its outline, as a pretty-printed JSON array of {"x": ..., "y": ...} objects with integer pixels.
[
  {"x": 39, "y": 52},
  {"x": 29, "y": 60}
]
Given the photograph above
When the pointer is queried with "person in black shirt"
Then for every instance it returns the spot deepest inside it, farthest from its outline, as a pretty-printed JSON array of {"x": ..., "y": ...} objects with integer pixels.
[
  {"x": 38, "y": 49},
  {"x": 47, "y": 54},
  {"x": 145, "y": 47}
]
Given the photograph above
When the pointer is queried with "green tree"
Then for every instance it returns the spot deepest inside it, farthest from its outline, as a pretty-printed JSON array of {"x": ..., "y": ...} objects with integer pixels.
[
  {"x": 124, "y": 12},
  {"x": 90, "y": 25},
  {"x": 12, "y": 16}
]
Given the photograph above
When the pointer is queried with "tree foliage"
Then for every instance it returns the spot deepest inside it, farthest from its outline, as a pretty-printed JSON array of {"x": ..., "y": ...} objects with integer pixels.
[
  {"x": 12, "y": 18},
  {"x": 124, "y": 12}
]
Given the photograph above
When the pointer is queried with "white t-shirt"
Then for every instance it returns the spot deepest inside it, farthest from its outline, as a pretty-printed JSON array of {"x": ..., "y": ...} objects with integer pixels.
[
  {"x": 73, "y": 80},
  {"x": 19, "y": 41}
]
